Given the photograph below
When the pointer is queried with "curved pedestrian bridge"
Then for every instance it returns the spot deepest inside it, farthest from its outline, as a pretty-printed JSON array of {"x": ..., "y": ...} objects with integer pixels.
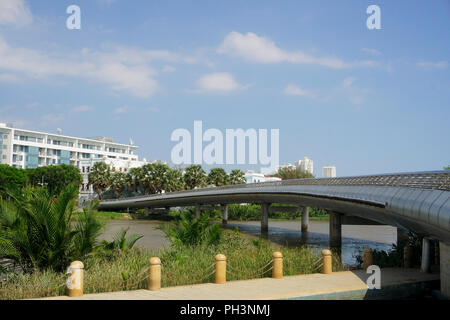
[{"x": 415, "y": 201}]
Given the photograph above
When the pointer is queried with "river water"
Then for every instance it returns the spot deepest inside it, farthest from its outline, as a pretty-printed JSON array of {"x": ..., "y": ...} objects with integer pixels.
[{"x": 354, "y": 238}]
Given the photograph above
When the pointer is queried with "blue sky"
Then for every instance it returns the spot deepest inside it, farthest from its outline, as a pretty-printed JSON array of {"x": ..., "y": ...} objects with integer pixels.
[{"x": 366, "y": 101}]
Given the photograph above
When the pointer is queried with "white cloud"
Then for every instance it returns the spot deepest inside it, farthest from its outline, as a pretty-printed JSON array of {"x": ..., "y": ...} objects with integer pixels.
[
  {"x": 348, "y": 82},
  {"x": 262, "y": 50},
  {"x": 371, "y": 51},
  {"x": 218, "y": 82},
  {"x": 123, "y": 70},
  {"x": 14, "y": 12},
  {"x": 83, "y": 108},
  {"x": 51, "y": 119},
  {"x": 168, "y": 68},
  {"x": 433, "y": 65},
  {"x": 9, "y": 78},
  {"x": 120, "y": 110},
  {"x": 292, "y": 89}
]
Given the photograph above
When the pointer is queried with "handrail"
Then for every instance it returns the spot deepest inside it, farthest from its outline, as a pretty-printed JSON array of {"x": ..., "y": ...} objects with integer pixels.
[{"x": 438, "y": 180}]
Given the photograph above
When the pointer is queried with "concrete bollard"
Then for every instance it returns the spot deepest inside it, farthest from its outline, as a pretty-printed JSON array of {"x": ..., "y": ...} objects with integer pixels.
[
  {"x": 407, "y": 256},
  {"x": 367, "y": 258},
  {"x": 327, "y": 261},
  {"x": 220, "y": 274},
  {"x": 154, "y": 278},
  {"x": 75, "y": 282},
  {"x": 277, "y": 271}
]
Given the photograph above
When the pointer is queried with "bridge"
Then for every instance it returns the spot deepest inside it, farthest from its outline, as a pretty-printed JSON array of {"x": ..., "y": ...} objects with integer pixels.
[{"x": 418, "y": 201}]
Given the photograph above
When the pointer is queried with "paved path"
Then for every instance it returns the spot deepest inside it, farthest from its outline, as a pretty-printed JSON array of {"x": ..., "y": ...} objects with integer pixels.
[{"x": 264, "y": 289}]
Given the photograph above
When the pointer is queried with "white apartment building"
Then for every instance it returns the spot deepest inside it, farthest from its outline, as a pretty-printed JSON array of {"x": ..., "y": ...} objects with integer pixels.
[
  {"x": 305, "y": 165},
  {"x": 329, "y": 172},
  {"x": 31, "y": 149},
  {"x": 255, "y": 177}
]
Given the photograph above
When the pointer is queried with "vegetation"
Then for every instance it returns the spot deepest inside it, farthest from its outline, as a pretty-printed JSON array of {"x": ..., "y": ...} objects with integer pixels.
[
  {"x": 286, "y": 173},
  {"x": 188, "y": 231},
  {"x": 447, "y": 168},
  {"x": 217, "y": 177},
  {"x": 37, "y": 230},
  {"x": 194, "y": 177},
  {"x": 11, "y": 179},
  {"x": 121, "y": 242},
  {"x": 54, "y": 178},
  {"x": 117, "y": 270},
  {"x": 237, "y": 177},
  {"x": 99, "y": 177}
]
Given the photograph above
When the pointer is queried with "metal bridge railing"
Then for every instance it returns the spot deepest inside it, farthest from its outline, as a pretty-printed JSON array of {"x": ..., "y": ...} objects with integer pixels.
[{"x": 439, "y": 180}]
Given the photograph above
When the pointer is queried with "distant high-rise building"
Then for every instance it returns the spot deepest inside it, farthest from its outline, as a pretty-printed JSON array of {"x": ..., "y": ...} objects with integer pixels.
[
  {"x": 329, "y": 171},
  {"x": 305, "y": 165}
]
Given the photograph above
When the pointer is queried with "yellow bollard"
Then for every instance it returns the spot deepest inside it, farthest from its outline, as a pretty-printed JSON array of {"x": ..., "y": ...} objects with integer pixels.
[
  {"x": 327, "y": 266},
  {"x": 220, "y": 275},
  {"x": 368, "y": 258},
  {"x": 75, "y": 281},
  {"x": 277, "y": 271},
  {"x": 154, "y": 278}
]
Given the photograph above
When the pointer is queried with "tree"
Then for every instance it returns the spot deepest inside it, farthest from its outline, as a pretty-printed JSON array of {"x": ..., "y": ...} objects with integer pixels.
[
  {"x": 217, "y": 177},
  {"x": 39, "y": 231},
  {"x": 237, "y": 177},
  {"x": 11, "y": 179},
  {"x": 154, "y": 177},
  {"x": 54, "y": 178},
  {"x": 287, "y": 173},
  {"x": 99, "y": 177},
  {"x": 194, "y": 177},
  {"x": 447, "y": 168},
  {"x": 117, "y": 182},
  {"x": 134, "y": 177},
  {"x": 174, "y": 181}
]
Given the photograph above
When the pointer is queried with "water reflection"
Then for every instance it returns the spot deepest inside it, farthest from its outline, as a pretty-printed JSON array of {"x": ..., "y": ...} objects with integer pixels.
[{"x": 287, "y": 233}]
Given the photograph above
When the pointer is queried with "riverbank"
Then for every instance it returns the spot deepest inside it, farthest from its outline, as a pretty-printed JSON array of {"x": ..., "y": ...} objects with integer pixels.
[{"x": 182, "y": 265}]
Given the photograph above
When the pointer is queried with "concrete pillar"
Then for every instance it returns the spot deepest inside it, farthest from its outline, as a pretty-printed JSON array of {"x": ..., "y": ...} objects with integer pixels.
[
  {"x": 224, "y": 214},
  {"x": 198, "y": 211},
  {"x": 265, "y": 217},
  {"x": 220, "y": 276},
  {"x": 402, "y": 236},
  {"x": 305, "y": 219},
  {"x": 335, "y": 229},
  {"x": 426, "y": 255},
  {"x": 444, "y": 257},
  {"x": 147, "y": 212}
]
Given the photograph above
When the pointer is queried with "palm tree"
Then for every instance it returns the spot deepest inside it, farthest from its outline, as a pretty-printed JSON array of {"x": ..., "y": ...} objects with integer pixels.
[
  {"x": 39, "y": 231},
  {"x": 217, "y": 177},
  {"x": 99, "y": 177},
  {"x": 174, "y": 181},
  {"x": 194, "y": 177},
  {"x": 237, "y": 177},
  {"x": 286, "y": 173},
  {"x": 117, "y": 182}
]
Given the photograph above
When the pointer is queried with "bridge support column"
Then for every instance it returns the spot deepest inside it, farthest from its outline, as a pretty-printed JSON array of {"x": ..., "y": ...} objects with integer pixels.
[
  {"x": 265, "y": 217},
  {"x": 426, "y": 255},
  {"x": 198, "y": 211},
  {"x": 305, "y": 219},
  {"x": 224, "y": 214},
  {"x": 444, "y": 257},
  {"x": 335, "y": 230}
]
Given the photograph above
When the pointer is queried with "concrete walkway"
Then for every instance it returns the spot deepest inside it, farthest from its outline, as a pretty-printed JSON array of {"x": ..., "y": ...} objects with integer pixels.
[{"x": 347, "y": 285}]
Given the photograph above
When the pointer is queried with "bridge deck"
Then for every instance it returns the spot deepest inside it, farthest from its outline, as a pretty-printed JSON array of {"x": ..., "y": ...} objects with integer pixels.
[{"x": 338, "y": 285}]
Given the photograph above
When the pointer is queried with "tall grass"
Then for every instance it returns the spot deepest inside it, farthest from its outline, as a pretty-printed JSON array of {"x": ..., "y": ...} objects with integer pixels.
[{"x": 181, "y": 265}]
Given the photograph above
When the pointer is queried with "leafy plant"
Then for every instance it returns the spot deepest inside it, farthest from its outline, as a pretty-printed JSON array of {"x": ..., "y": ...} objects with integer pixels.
[
  {"x": 191, "y": 231},
  {"x": 121, "y": 242}
]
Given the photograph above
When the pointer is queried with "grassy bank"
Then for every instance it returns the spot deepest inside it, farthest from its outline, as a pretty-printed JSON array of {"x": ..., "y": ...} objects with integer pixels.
[
  {"x": 105, "y": 216},
  {"x": 181, "y": 265}
]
